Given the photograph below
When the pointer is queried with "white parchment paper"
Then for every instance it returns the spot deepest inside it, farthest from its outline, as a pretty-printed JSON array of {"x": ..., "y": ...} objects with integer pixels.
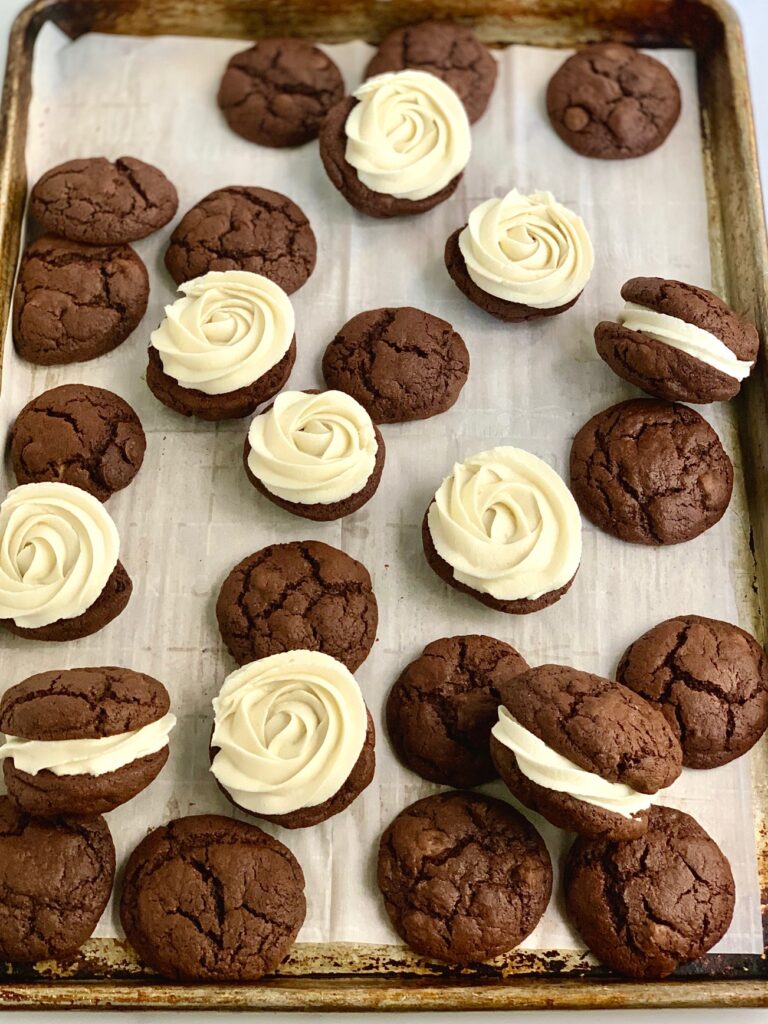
[{"x": 190, "y": 515}]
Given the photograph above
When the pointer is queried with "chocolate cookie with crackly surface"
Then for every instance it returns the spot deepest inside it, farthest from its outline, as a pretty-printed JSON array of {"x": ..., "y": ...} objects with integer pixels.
[{"x": 464, "y": 877}]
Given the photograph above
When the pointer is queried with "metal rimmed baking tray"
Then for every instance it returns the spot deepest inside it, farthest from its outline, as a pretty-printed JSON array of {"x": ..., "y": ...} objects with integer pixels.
[{"x": 344, "y": 976}]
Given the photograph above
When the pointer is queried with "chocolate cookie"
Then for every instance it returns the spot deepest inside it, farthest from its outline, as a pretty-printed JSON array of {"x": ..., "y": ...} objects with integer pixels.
[
  {"x": 83, "y": 705},
  {"x": 710, "y": 680},
  {"x": 304, "y": 595},
  {"x": 399, "y": 363},
  {"x": 464, "y": 877},
  {"x": 55, "y": 881},
  {"x": 206, "y": 898},
  {"x": 103, "y": 202},
  {"x": 651, "y": 345},
  {"x": 80, "y": 435},
  {"x": 278, "y": 91},
  {"x": 603, "y": 729},
  {"x": 242, "y": 228},
  {"x": 451, "y": 52},
  {"x": 613, "y": 102},
  {"x": 647, "y": 906},
  {"x": 74, "y": 302},
  {"x": 441, "y": 710},
  {"x": 650, "y": 472}
]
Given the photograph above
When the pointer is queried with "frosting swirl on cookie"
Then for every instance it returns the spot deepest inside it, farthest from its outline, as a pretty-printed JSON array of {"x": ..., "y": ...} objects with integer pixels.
[
  {"x": 527, "y": 249},
  {"x": 58, "y": 548},
  {"x": 507, "y": 525},
  {"x": 545, "y": 767},
  {"x": 228, "y": 329},
  {"x": 408, "y": 135},
  {"x": 289, "y": 730},
  {"x": 313, "y": 449}
]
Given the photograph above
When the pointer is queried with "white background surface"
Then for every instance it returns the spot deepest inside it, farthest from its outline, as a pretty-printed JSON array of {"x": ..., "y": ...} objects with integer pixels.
[{"x": 755, "y": 16}]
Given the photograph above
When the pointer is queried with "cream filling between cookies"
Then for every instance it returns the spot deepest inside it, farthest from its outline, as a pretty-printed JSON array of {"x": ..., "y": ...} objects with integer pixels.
[
  {"x": 408, "y": 135},
  {"x": 88, "y": 756},
  {"x": 289, "y": 729},
  {"x": 530, "y": 250},
  {"x": 228, "y": 329},
  {"x": 545, "y": 767},
  {"x": 507, "y": 525},
  {"x": 313, "y": 449},
  {"x": 685, "y": 337},
  {"x": 58, "y": 548}
]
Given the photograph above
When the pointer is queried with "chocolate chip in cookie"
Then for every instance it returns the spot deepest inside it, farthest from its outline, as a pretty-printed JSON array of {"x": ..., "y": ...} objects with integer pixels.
[
  {"x": 613, "y": 102},
  {"x": 278, "y": 91},
  {"x": 400, "y": 363},
  {"x": 103, "y": 202}
]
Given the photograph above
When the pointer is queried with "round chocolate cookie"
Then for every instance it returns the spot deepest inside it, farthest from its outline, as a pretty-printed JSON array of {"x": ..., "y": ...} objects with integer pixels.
[
  {"x": 710, "y": 680},
  {"x": 278, "y": 91},
  {"x": 55, "y": 881},
  {"x": 80, "y": 704},
  {"x": 304, "y": 595},
  {"x": 647, "y": 906},
  {"x": 400, "y": 363},
  {"x": 613, "y": 102},
  {"x": 242, "y": 228},
  {"x": 206, "y": 898},
  {"x": 231, "y": 405},
  {"x": 441, "y": 710},
  {"x": 650, "y": 472},
  {"x": 662, "y": 368},
  {"x": 74, "y": 302},
  {"x": 602, "y": 728},
  {"x": 344, "y": 177},
  {"x": 451, "y": 52},
  {"x": 464, "y": 877},
  {"x": 103, "y": 202},
  {"x": 80, "y": 435}
]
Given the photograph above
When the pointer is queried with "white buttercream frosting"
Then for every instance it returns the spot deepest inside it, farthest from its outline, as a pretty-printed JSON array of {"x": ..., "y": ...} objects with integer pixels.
[
  {"x": 313, "y": 449},
  {"x": 507, "y": 525},
  {"x": 227, "y": 330},
  {"x": 527, "y": 249},
  {"x": 685, "y": 337},
  {"x": 289, "y": 729},
  {"x": 408, "y": 135},
  {"x": 58, "y": 548},
  {"x": 545, "y": 767},
  {"x": 88, "y": 756}
]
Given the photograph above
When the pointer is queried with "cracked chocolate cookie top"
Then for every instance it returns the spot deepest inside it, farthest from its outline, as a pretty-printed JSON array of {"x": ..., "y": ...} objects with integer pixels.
[
  {"x": 81, "y": 435},
  {"x": 55, "y": 880},
  {"x": 464, "y": 877},
  {"x": 103, "y": 202},
  {"x": 74, "y": 302},
  {"x": 304, "y": 595},
  {"x": 243, "y": 228},
  {"x": 613, "y": 102},
  {"x": 400, "y": 363},
  {"x": 646, "y": 906},
  {"x": 441, "y": 710},
  {"x": 278, "y": 91},
  {"x": 710, "y": 680},
  {"x": 207, "y": 898},
  {"x": 451, "y": 52},
  {"x": 650, "y": 472}
]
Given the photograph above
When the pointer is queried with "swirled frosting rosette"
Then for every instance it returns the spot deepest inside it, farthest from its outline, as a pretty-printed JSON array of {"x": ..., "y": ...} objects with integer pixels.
[
  {"x": 288, "y": 731},
  {"x": 313, "y": 448},
  {"x": 227, "y": 330},
  {"x": 408, "y": 135},
  {"x": 529, "y": 250},
  {"x": 507, "y": 525},
  {"x": 58, "y": 548}
]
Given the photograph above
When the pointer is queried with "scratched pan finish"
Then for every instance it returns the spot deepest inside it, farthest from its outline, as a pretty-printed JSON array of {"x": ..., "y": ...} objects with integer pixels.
[{"x": 355, "y": 977}]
